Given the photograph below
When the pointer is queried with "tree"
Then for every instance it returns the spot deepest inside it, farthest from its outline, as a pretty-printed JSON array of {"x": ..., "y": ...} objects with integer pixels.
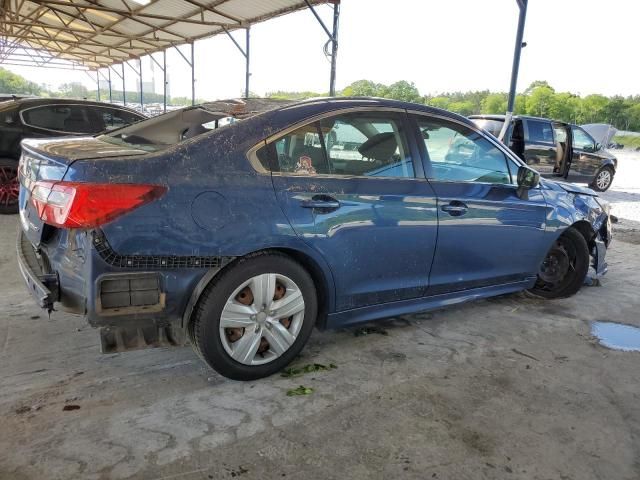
[
  {"x": 537, "y": 83},
  {"x": 594, "y": 106},
  {"x": 438, "y": 102},
  {"x": 74, "y": 90},
  {"x": 540, "y": 101},
  {"x": 494, "y": 103},
  {"x": 364, "y": 88},
  {"x": 403, "y": 90},
  {"x": 12, "y": 83},
  {"x": 463, "y": 108}
]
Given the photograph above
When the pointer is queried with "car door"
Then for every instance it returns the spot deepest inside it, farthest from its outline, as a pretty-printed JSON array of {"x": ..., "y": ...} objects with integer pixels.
[
  {"x": 585, "y": 162},
  {"x": 487, "y": 233},
  {"x": 351, "y": 189},
  {"x": 539, "y": 145}
]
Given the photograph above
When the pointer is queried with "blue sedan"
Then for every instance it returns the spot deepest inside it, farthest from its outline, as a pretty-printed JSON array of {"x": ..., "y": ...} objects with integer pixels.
[{"x": 240, "y": 225}]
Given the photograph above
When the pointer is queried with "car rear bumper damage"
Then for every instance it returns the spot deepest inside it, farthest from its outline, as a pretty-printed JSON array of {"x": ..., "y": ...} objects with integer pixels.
[
  {"x": 136, "y": 301},
  {"x": 44, "y": 287}
]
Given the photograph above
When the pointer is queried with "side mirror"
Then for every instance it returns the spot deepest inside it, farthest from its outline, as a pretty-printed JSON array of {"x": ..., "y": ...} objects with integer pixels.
[
  {"x": 598, "y": 147},
  {"x": 528, "y": 178}
]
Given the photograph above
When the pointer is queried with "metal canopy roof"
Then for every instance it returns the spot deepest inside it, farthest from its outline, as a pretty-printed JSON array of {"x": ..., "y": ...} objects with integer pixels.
[{"x": 91, "y": 34}]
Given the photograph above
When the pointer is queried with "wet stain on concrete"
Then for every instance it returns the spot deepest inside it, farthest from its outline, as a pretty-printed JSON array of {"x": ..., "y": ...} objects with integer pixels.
[{"x": 617, "y": 336}]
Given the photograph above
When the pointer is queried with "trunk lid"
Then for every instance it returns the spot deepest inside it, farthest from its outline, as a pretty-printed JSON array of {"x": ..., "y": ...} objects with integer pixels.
[{"x": 49, "y": 160}]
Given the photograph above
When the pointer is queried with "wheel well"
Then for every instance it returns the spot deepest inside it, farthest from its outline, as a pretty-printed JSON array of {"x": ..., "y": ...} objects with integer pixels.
[
  {"x": 586, "y": 230},
  {"x": 306, "y": 261},
  {"x": 318, "y": 278}
]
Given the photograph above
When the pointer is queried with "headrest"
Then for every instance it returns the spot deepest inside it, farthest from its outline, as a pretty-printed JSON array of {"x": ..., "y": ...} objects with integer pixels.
[{"x": 379, "y": 147}]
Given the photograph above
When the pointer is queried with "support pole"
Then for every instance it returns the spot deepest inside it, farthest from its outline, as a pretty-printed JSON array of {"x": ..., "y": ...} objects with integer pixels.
[
  {"x": 98, "y": 84},
  {"x": 247, "y": 73},
  {"x": 193, "y": 75},
  {"x": 522, "y": 5},
  {"x": 246, "y": 54},
  {"x": 140, "y": 75},
  {"x": 334, "y": 48},
  {"x": 164, "y": 78},
  {"x": 124, "y": 87},
  {"x": 110, "y": 95},
  {"x": 191, "y": 63},
  {"x": 333, "y": 39}
]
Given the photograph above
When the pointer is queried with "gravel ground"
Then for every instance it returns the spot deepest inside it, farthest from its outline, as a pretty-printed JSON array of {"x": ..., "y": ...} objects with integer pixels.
[{"x": 508, "y": 388}]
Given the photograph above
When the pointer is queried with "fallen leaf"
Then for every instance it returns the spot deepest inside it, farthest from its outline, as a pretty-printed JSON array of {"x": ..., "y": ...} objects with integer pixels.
[{"x": 301, "y": 390}]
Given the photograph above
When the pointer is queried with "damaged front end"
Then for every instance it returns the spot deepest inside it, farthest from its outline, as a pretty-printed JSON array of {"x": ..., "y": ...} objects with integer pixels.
[{"x": 591, "y": 215}]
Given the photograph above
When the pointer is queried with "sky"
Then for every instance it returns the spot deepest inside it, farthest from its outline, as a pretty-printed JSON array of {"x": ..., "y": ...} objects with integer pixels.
[{"x": 582, "y": 46}]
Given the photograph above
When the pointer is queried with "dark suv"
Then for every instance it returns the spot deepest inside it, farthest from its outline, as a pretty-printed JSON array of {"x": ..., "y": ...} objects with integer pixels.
[
  {"x": 44, "y": 118},
  {"x": 555, "y": 149}
]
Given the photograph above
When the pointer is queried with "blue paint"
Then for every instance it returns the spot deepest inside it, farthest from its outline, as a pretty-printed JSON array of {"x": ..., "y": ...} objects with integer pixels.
[
  {"x": 390, "y": 248},
  {"x": 617, "y": 336}
]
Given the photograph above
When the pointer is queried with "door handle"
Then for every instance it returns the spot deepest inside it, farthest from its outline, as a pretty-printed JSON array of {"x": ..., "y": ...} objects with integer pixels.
[
  {"x": 321, "y": 202},
  {"x": 455, "y": 208}
]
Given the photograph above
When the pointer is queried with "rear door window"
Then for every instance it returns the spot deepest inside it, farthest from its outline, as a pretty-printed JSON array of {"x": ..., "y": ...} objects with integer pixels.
[
  {"x": 539, "y": 131},
  {"x": 354, "y": 144},
  {"x": 77, "y": 119},
  {"x": 50, "y": 117}
]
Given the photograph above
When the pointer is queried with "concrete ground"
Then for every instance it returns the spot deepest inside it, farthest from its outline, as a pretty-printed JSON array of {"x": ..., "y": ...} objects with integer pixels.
[{"x": 508, "y": 388}]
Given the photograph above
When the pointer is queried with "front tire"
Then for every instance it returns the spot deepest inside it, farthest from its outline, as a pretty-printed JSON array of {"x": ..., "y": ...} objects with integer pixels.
[
  {"x": 9, "y": 186},
  {"x": 565, "y": 267},
  {"x": 603, "y": 179},
  {"x": 256, "y": 317}
]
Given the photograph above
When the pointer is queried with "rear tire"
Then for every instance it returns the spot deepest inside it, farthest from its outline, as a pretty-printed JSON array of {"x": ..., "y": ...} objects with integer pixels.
[
  {"x": 9, "y": 186},
  {"x": 603, "y": 179},
  {"x": 565, "y": 267},
  {"x": 256, "y": 317}
]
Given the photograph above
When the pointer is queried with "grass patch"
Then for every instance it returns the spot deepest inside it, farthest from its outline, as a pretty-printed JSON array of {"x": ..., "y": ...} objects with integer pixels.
[
  {"x": 301, "y": 390},
  {"x": 627, "y": 140},
  {"x": 309, "y": 368}
]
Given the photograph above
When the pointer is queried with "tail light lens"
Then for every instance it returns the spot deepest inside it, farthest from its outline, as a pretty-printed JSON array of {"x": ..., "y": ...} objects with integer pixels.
[{"x": 88, "y": 205}]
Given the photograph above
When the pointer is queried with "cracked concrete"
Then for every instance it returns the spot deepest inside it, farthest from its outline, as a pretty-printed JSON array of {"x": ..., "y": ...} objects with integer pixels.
[{"x": 511, "y": 387}]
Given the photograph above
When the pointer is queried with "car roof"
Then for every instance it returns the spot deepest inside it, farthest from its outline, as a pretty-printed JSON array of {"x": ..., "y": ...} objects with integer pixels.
[{"x": 244, "y": 108}]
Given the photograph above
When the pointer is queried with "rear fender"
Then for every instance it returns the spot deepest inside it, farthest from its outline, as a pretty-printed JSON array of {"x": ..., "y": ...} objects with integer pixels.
[{"x": 308, "y": 258}]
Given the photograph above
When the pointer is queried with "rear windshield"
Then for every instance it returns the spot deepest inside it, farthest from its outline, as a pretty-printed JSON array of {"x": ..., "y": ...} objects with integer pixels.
[
  {"x": 490, "y": 125},
  {"x": 160, "y": 132}
]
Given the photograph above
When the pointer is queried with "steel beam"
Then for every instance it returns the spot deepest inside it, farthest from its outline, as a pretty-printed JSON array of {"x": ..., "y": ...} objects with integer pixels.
[
  {"x": 246, "y": 54},
  {"x": 522, "y": 5},
  {"x": 334, "y": 48},
  {"x": 141, "y": 93},
  {"x": 193, "y": 75},
  {"x": 333, "y": 39}
]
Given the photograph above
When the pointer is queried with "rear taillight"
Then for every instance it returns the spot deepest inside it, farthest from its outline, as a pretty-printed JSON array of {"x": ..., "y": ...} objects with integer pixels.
[{"x": 88, "y": 205}]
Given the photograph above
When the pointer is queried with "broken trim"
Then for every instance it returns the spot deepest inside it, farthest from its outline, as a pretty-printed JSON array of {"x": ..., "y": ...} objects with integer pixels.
[{"x": 153, "y": 261}]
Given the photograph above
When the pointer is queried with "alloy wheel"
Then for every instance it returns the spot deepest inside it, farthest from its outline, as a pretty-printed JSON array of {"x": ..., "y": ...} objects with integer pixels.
[
  {"x": 9, "y": 186},
  {"x": 603, "y": 179},
  {"x": 262, "y": 319}
]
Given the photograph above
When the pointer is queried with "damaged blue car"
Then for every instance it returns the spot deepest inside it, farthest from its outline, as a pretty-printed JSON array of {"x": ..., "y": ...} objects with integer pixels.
[{"x": 240, "y": 225}]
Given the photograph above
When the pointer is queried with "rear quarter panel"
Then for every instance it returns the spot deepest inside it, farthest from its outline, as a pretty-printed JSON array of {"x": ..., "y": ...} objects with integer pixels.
[{"x": 216, "y": 203}]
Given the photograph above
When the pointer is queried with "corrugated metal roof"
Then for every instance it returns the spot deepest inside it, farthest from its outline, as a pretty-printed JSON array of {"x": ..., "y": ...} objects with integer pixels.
[{"x": 96, "y": 33}]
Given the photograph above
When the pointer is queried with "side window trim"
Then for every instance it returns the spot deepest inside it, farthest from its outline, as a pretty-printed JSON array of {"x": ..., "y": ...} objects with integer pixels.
[
  {"x": 424, "y": 155},
  {"x": 399, "y": 115}
]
